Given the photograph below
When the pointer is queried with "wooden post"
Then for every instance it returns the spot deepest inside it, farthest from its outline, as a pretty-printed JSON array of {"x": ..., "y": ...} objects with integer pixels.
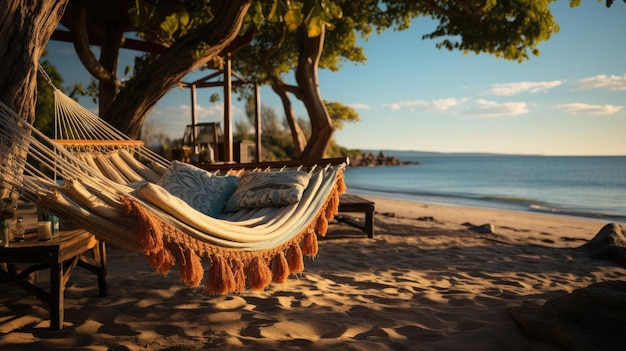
[
  {"x": 257, "y": 120},
  {"x": 228, "y": 133},
  {"x": 194, "y": 150}
]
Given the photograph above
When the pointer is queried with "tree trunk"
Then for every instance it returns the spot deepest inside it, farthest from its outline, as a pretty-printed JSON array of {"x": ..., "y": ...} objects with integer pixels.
[
  {"x": 105, "y": 70},
  {"x": 135, "y": 101},
  {"x": 26, "y": 27},
  {"x": 322, "y": 129},
  {"x": 109, "y": 55},
  {"x": 281, "y": 89},
  {"x": 297, "y": 135}
]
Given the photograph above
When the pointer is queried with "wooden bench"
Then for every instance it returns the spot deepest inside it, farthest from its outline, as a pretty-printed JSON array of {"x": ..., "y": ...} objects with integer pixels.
[
  {"x": 353, "y": 203},
  {"x": 61, "y": 255}
]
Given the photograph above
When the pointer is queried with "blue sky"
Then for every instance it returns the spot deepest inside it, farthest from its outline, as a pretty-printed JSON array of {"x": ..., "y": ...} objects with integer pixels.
[{"x": 570, "y": 100}]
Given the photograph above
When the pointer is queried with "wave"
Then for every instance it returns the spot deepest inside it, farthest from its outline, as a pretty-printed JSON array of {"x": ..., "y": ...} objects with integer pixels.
[
  {"x": 499, "y": 202},
  {"x": 577, "y": 213}
]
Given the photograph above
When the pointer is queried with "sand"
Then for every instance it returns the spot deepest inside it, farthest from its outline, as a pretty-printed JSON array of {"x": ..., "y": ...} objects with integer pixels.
[{"x": 425, "y": 282}]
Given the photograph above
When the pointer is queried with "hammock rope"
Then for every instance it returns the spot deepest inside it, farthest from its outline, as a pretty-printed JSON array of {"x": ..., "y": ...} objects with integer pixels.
[{"x": 110, "y": 189}]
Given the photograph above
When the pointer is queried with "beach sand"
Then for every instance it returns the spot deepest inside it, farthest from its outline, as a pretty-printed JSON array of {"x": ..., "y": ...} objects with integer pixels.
[{"x": 425, "y": 282}]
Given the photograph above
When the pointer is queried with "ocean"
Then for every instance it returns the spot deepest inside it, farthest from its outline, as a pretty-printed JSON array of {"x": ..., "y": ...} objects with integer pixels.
[{"x": 584, "y": 186}]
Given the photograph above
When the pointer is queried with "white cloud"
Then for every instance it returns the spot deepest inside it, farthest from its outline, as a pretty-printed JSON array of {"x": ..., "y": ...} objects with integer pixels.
[
  {"x": 603, "y": 81},
  {"x": 486, "y": 108},
  {"x": 509, "y": 89},
  {"x": 438, "y": 104},
  {"x": 581, "y": 108},
  {"x": 183, "y": 112},
  {"x": 359, "y": 106}
]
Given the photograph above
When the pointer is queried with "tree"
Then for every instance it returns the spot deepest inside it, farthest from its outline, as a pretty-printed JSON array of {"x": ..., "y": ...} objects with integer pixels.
[
  {"x": 186, "y": 35},
  {"x": 508, "y": 28},
  {"x": 25, "y": 31}
]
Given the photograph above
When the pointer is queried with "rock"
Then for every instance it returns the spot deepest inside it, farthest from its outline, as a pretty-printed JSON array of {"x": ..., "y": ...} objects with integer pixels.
[
  {"x": 609, "y": 244},
  {"x": 591, "y": 318},
  {"x": 368, "y": 159},
  {"x": 482, "y": 229}
]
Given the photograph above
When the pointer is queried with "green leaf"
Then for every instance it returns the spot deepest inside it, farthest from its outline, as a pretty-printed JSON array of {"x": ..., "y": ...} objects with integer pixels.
[
  {"x": 292, "y": 19},
  {"x": 257, "y": 13},
  {"x": 315, "y": 27},
  {"x": 184, "y": 18},
  {"x": 170, "y": 25}
]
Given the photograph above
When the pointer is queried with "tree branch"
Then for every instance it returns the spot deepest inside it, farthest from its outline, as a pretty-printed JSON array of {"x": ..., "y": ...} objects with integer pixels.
[{"x": 81, "y": 45}]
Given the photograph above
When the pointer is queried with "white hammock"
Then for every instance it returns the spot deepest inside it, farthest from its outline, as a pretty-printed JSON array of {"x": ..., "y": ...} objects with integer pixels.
[{"x": 109, "y": 187}]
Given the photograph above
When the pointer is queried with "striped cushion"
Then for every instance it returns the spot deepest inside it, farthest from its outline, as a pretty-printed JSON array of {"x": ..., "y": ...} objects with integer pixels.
[{"x": 265, "y": 189}]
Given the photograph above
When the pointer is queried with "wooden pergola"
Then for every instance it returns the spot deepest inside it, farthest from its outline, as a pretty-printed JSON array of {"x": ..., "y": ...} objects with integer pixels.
[
  {"x": 114, "y": 14},
  {"x": 229, "y": 79}
]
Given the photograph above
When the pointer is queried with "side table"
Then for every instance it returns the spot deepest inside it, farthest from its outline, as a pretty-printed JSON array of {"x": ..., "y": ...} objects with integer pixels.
[
  {"x": 353, "y": 203},
  {"x": 61, "y": 255}
]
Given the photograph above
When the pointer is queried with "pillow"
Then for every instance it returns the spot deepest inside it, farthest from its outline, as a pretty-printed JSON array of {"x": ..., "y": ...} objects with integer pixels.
[
  {"x": 266, "y": 189},
  {"x": 198, "y": 188}
]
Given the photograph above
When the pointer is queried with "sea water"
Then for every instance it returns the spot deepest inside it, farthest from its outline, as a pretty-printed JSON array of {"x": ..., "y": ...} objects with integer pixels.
[{"x": 585, "y": 186}]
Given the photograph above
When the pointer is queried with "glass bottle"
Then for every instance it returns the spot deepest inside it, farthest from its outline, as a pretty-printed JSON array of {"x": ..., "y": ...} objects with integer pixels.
[{"x": 18, "y": 234}]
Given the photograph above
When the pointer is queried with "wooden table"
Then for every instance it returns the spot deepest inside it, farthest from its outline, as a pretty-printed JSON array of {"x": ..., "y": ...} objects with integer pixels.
[
  {"x": 61, "y": 255},
  {"x": 353, "y": 203}
]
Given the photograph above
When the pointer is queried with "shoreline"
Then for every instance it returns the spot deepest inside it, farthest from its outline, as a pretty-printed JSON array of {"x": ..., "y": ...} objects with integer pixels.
[
  {"x": 425, "y": 282},
  {"x": 519, "y": 225},
  {"x": 485, "y": 205}
]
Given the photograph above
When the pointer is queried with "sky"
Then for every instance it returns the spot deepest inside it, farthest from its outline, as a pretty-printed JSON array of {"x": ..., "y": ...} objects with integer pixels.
[{"x": 569, "y": 100}]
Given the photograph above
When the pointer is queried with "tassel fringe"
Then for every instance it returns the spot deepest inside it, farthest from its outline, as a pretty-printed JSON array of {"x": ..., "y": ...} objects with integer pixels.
[
  {"x": 294, "y": 259},
  {"x": 321, "y": 225},
  {"x": 239, "y": 275},
  {"x": 148, "y": 231},
  {"x": 259, "y": 274},
  {"x": 220, "y": 280},
  {"x": 162, "y": 261},
  {"x": 280, "y": 273},
  {"x": 190, "y": 268},
  {"x": 309, "y": 244}
]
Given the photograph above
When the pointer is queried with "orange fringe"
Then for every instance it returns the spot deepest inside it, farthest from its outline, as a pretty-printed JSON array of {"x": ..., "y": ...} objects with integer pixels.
[
  {"x": 190, "y": 267},
  {"x": 280, "y": 273},
  {"x": 332, "y": 206},
  {"x": 341, "y": 183},
  {"x": 294, "y": 259},
  {"x": 309, "y": 244},
  {"x": 239, "y": 275},
  {"x": 161, "y": 261},
  {"x": 220, "y": 280},
  {"x": 259, "y": 274},
  {"x": 149, "y": 233},
  {"x": 321, "y": 225}
]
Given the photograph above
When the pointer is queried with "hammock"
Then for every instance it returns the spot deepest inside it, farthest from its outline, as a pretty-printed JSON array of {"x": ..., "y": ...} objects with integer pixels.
[{"x": 98, "y": 179}]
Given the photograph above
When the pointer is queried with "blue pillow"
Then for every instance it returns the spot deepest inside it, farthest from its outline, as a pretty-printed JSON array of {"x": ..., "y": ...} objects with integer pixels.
[
  {"x": 266, "y": 189},
  {"x": 200, "y": 189}
]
